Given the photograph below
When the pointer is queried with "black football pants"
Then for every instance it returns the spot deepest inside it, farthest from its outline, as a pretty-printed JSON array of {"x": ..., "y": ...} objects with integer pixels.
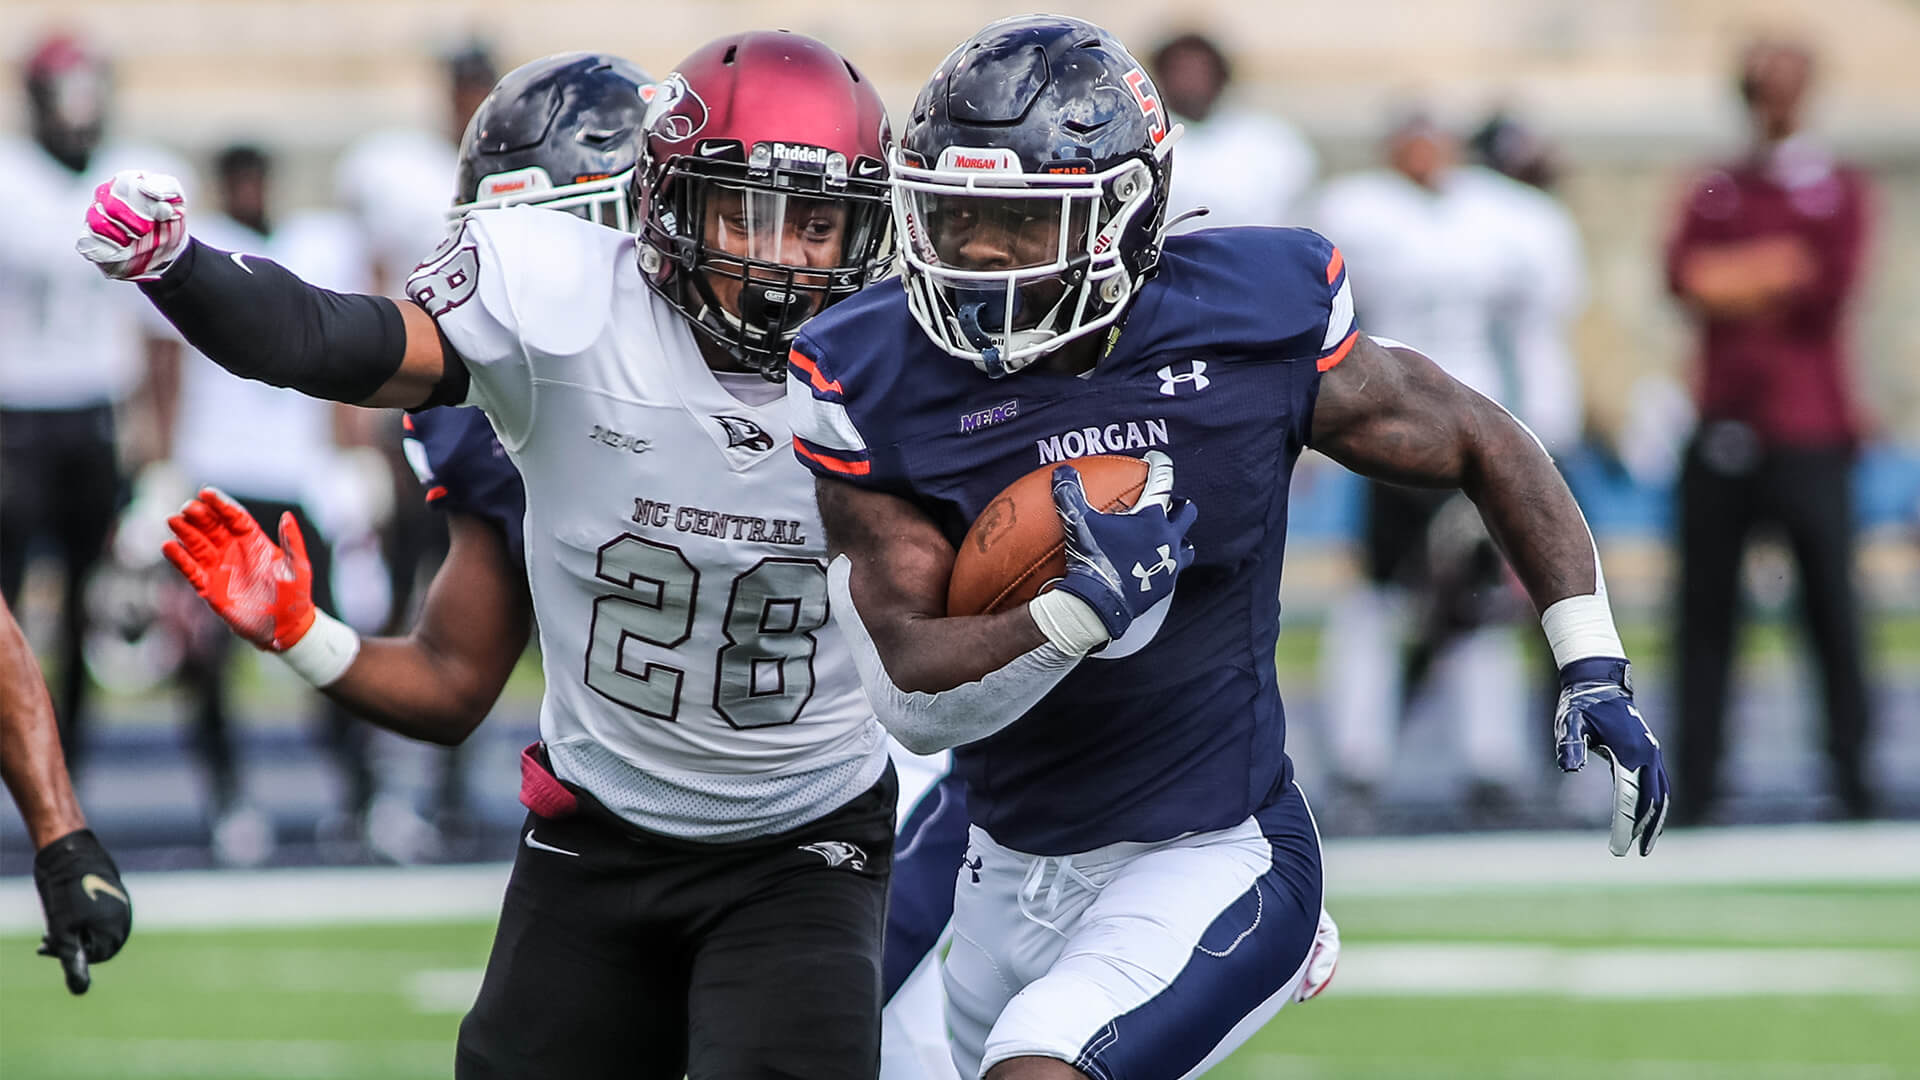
[
  {"x": 59, "y": 477},
  {"x": 625, "y": 954},
  {"x": 1808, "y": 496}
]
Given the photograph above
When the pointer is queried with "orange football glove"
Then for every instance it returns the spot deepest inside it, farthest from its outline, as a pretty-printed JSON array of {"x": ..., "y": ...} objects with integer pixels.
[{"x": 263, "y": 590}]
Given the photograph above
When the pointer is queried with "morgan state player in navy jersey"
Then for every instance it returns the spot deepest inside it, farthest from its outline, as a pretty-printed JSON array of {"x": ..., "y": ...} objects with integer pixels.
[{"x": 1143, "y": 884}]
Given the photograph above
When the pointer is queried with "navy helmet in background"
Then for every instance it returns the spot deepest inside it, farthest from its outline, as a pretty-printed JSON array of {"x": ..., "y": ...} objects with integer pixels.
[{"x": 562, "y": 132}]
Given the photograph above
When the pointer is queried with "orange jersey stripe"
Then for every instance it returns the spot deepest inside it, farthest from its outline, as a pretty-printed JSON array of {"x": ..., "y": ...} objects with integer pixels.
[
  {"x": 849, "y": 468},
  {"x": 818, "y": 380},
  {"x": 1333, "y": 269},
  {"x": 1332, "y": 359},
  {"x": 436, "y": 492}
]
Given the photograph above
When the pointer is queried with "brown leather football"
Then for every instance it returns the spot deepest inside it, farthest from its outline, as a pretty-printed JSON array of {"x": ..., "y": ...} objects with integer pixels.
[{"x": 1016, "y": 545}]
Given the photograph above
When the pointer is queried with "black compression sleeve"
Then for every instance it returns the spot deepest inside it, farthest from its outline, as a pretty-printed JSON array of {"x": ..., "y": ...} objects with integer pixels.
[{"x": 259, "y": 321}]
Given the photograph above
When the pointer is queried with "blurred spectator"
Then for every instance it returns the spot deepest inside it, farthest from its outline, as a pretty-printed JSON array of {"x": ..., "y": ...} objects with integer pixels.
[
  {"x": 1451, "y": 260},
  {"x": 1766, "y": 258},
  {"x": 1514, "y": 149},
  {"x": 1533, "y": 330},
  {"x": 1245, "y": 166},
  {"x": 275, "y": 451},
  {"x": 71, "y": 347},
  {"x": 397, "y": 184}
]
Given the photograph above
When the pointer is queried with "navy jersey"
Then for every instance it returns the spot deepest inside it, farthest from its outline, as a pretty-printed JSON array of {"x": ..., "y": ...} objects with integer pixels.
[
  {"x": 466, "y": 471},
  {"x": 1217, "y": 365}
]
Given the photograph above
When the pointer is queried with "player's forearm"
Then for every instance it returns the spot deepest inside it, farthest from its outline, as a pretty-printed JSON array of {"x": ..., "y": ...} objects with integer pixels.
[
  {"x": 1528, "y": 508},
  {"x": 896, "y": 572},
  {"x": 409, "y": 688},
  {"x": 1538, "y": 526},
  {"x": 31, "y": 763},
  {"x": 36, "y": 776},
  {"x": 257, "y": 320},
  {"x": 932, "y": 654},
  {"x": 439, "y": 682},
  {"x": 985, "y": 681}
]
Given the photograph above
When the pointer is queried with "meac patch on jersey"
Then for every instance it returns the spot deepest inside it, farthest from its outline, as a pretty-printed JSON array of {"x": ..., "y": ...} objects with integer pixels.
[{"x": 673, "y": 547}]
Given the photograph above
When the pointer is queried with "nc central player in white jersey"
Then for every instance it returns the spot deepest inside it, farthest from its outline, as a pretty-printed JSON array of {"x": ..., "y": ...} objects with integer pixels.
[{"x": 704, "y": 873}]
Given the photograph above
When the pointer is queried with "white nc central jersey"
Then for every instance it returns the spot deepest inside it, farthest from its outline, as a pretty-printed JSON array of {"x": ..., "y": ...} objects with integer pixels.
[{"x": 695, "y": 683}]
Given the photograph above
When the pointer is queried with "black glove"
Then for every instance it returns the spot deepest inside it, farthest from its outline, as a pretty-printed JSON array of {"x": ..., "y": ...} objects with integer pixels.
[{"x": 88, "y": 913}]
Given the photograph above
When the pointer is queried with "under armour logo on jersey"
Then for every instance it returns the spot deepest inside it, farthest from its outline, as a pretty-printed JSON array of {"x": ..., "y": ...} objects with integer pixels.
[
  {"x": 742, "y": 432},
  {"x": 1170, "y": 379},
  {"x": 1145, "y": 573},
  {"x": 973, "y": 866},
  {"x": 838, "y": 853}
]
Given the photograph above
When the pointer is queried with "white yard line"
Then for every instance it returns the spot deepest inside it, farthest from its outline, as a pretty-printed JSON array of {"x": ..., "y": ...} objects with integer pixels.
[
  {"x": 1296, "y": 1067},
  {"x": 107, "y": 1056},
  {"x": 1421, "y": 969},
  {"x": 1446, "y": 969},
  {"x": 229, "y": 899},
  {"x": 449, "y": 990},
  {"x": 1746, "y": 855},
  {"x": 1798, "y": 854}
]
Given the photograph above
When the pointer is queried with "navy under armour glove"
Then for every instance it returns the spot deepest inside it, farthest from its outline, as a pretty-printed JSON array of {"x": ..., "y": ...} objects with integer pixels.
[
  {"x": 1122, "y": 564},
  {"x": 1597, "y": 710},
  {"x": 88, "y": 912}
]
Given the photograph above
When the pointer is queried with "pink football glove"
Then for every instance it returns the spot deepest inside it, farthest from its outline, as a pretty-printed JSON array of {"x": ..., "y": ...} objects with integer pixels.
[{"x": 136, "y": 226}]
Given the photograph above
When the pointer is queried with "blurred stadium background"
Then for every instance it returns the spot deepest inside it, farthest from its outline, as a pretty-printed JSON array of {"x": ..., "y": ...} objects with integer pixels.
[{"x": 1766, "y": 946}]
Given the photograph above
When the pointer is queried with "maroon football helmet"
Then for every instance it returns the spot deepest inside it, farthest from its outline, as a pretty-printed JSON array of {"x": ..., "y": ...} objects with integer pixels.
[
  {"x": 761, "y": 195},
  {"x": 68, "y": 84}
]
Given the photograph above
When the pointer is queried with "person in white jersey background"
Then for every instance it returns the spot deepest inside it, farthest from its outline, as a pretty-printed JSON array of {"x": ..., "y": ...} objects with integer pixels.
[
  {"x": 393, "y": 183},
  {"x": 276, "y": 451},
  {"x": 1244, "y": 165},
  {"x": 72, "y": 350},
  {"x": 1451, "y": 265}
]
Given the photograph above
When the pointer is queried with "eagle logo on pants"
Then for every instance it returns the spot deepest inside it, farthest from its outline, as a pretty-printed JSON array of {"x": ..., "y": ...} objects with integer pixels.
[{"x": 839, "y": 853}]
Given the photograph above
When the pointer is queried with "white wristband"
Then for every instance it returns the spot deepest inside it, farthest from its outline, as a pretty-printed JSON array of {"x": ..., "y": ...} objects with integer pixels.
[
  {"x": 1581, "y": 627},
  {"x": 1068, "y": 622},
  {"x": 324, "y": 652}
]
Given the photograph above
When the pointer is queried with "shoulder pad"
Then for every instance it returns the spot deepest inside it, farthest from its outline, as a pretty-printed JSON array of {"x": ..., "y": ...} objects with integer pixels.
[
  {"x": 547, "y": 273},
  {"x": 1271, "y": 294}
]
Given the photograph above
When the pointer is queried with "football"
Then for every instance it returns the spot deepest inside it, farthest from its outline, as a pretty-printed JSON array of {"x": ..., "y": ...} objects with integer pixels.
[{"x": 1016, "y": 545}]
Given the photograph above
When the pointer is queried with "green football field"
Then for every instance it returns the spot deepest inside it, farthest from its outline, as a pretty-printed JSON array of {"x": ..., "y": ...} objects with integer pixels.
[{"x": 1819, "y": 979}]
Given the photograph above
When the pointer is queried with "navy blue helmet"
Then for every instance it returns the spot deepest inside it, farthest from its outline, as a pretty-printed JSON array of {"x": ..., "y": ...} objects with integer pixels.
[
  {"x": 1030, "y": 190},
  {"x": 561, "y": 132}
]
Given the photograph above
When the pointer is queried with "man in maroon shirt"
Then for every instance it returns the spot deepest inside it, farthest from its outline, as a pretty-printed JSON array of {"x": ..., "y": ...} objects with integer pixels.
[{"x": 1766, "y": 257}]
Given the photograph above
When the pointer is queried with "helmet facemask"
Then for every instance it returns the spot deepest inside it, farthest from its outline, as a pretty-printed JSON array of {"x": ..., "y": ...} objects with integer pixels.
[
  {"x": 602, "y": 200},
  {"x": 753, "y": 253},
  {"x": 1003, "y": 267}
]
